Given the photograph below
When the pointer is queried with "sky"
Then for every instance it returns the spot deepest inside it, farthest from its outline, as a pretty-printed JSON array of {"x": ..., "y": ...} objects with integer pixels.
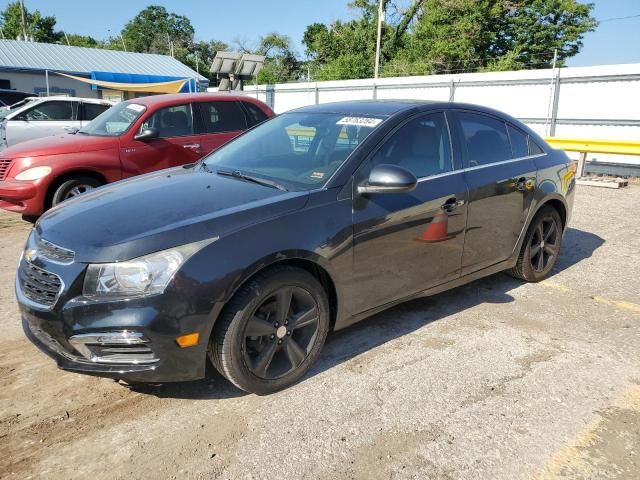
[{"x": 613, "y": 41}]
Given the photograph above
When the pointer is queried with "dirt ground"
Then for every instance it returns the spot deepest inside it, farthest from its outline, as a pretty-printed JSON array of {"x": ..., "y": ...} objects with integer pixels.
[{"x": 494, "y": 380}]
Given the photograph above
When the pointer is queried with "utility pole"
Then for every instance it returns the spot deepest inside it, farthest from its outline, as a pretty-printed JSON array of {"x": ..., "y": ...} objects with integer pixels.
[
  {"x": 379, "y": 38},
  {"x": 551, "y": 86},
  {"x": 24, "y": 21}
]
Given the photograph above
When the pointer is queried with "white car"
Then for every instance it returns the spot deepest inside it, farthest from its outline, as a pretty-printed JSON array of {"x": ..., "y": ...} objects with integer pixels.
[{"x": 37, "y": 117}]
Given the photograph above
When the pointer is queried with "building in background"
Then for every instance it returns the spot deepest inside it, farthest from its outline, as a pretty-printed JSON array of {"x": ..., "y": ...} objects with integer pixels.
[{"x": 44, "y": 68}]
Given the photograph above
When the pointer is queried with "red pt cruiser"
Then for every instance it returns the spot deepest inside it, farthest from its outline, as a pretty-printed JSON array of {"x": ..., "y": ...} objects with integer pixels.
[{"x": 131, "y": 138}]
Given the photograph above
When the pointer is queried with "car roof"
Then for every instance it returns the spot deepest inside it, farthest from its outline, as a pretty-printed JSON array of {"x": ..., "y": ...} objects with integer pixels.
[
  {"x": 71, "y": 99},
  {"x": 366, "y": 107},
  {"x": 172, "y": 98},
  {"x": 387, "y": 108}
]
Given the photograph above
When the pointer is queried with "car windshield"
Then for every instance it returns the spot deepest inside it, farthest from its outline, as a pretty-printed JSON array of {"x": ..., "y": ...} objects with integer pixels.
[
  {"x": 12, "y": 108},
  {"x": 298, "y": 150},
  {"x": 115, "y": 121}
]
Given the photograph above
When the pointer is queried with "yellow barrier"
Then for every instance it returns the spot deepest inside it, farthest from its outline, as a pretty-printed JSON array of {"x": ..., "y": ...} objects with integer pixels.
[{"x": 617, "y": 147}]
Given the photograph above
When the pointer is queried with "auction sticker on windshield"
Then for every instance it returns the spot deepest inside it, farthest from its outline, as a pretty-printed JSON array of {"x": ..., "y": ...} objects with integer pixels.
[
  {"x": 135, "y": 107},
  {"x": 360, "y": 121}
]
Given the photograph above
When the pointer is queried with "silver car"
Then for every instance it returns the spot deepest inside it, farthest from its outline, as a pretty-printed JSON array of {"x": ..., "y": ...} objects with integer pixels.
[{"x": 37, "y": 117}]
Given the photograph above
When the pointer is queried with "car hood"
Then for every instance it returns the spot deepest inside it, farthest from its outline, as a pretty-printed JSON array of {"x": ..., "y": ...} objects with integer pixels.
[
  {"x": 59, "y": 144},
  {"x": 160, "y": 210}
]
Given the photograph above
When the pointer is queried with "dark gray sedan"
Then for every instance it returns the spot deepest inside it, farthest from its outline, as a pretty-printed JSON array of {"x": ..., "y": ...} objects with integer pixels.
[{"x": 309, "y": 222}]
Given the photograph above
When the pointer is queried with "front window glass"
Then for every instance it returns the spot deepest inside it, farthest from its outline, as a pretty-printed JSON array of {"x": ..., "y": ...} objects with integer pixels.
[
  {"x": 50, "y": 111},
  {"x": 421, "y": 146},
  {"x": 174, "y": 121},
  {"x": 115, "y": 121},
  {"x": 299, "y": 150}
]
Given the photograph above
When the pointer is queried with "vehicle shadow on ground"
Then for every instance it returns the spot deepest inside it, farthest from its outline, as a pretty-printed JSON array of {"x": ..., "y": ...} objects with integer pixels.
[{"x": 396, "y": 322}]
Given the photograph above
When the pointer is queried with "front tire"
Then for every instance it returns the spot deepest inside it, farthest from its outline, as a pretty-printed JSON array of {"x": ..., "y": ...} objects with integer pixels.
[
  {"x": 73, "y": 187},
  {"x": 271, "y": 331},
  {"x": 541, "y": 246}
]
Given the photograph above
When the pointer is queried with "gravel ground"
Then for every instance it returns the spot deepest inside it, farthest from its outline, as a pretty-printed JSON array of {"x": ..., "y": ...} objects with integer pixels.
[{"x": 497, "y": 379}]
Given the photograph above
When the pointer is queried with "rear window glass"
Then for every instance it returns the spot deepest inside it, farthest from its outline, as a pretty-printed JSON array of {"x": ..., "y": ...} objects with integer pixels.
[
  {"x": 534, "y": 148},
  {"x": 519, "y": 142},
  {"x": 485, "y": 138},
  {"x": 254, "y": 114}
]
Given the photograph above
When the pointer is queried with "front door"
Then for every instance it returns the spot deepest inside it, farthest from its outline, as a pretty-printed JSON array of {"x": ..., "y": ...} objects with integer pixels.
[
  {"x": 405, "y": 243},
  {"x": 48, "y": 118},
  {"x": 176, "y": 143},
  {"x": 500, "y": 175}
]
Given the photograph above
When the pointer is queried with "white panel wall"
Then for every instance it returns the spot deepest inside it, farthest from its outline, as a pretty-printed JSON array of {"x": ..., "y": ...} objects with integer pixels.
[{"x": 608, "y": 93}]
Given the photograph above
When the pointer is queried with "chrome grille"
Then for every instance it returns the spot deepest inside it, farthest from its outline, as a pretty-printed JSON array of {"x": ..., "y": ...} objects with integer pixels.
[
  {"x": 55, "y": 253},
  {"x": 38, "y": 285},
  {"x": 4, "y": 167}
]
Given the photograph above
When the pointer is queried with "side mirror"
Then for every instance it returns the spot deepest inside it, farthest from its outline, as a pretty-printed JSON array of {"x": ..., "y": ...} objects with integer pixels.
[
  {"x": 389, "y": 179},
  {"x": 147, "y": 134}
]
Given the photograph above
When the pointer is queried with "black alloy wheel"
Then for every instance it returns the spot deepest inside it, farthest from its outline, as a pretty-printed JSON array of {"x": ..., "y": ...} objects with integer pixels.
[
  {"x": 281, "y": 332},
  {"x": 272, "y": 330},
  {"x": 541, "y": 246},
  {"x": 544, "y": 244}
]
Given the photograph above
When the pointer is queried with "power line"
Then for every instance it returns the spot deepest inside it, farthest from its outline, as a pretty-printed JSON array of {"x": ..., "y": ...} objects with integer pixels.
[{"x": 615, "y": 19}]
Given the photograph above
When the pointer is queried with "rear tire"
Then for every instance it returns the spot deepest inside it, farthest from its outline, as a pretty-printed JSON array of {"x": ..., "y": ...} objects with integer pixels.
[
  {"x": 73, "y": 187},
  {"x": 271, "y": 331},
  {"x": 541, "y": 246}
]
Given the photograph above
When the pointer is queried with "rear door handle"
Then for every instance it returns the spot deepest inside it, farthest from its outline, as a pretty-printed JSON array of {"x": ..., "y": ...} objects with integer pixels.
[
  {"x": 522, "y": 184},
  {"x": 451, "y": 204}
]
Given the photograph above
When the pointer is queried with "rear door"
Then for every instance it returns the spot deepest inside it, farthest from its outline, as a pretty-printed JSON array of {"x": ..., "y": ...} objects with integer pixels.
[
  {"x": 501, "y": 176},
  {"x": 405, "y": 243},
  {"x": 175, "y": 145},
  {"x": 44, "y": 119},
  {"x": 217, "y": 122}
]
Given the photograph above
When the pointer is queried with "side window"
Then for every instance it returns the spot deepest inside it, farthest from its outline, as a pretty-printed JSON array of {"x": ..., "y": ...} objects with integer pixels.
[
  {"x": 92, "y": 110},
  {"x": 534, "y": 148},
  {"x": 421, "y": 146},
  {"x": 173, "y": 121},
  {"x": 519, "y": 142},
  {"x": 254, "y": 114},
  {"x": 52, "y": 111},
  {"x": 218, "y": 117},
  {"x": 485, "y": 139}
]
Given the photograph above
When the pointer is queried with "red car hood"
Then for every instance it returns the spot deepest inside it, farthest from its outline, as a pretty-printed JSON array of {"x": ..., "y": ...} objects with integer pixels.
[{"x": 59, "y": 144}]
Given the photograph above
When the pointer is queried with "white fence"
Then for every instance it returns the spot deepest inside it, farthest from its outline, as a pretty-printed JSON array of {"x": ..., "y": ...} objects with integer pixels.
[{"x": 583, "y": 102}]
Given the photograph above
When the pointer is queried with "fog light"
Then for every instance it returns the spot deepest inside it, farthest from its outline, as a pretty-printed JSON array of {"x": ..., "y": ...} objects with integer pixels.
[{"x": 188, "y": 340}]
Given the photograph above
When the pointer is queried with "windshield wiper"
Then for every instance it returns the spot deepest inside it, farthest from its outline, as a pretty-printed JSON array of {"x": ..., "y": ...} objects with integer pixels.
[{"x": 249, "y": 178}]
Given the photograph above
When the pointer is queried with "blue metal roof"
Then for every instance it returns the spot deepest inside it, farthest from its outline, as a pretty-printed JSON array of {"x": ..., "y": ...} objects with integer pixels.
[{"x": 18, "y": 55}]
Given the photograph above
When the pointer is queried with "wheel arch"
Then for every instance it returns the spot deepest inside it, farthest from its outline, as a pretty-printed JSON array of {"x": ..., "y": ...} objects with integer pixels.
[
  {"x": 308, "y": 261},
  {"x": 67, "y": 175}
]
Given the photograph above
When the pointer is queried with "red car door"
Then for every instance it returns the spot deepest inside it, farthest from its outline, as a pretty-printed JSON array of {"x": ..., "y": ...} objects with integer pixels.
[
  {"x": 217, "y": 122},
  {"x": 176, "y": 143}
]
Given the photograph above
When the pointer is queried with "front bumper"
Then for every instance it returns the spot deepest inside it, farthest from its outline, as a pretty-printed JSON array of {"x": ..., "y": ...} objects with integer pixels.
[
  {"x": 21, "y": 197},
  {"x": 60, "y": 329}
]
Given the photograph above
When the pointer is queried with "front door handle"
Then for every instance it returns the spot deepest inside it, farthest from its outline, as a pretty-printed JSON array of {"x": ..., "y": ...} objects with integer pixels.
[
  {"x": 451, "y": 204},
  {"x": 522, "y": 185}
]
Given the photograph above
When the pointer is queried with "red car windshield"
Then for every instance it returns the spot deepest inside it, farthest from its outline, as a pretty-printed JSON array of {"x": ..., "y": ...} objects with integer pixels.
[{"x": 115, "y": 121}]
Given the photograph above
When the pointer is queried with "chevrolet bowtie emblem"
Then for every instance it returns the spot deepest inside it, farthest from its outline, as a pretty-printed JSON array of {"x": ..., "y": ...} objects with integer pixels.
[{"x": 31, "y": 254}]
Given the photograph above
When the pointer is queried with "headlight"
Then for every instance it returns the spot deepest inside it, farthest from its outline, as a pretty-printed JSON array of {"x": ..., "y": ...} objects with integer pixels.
[
  {"x": 140, "y": 277},
  {"x": 35, "y": 173}
]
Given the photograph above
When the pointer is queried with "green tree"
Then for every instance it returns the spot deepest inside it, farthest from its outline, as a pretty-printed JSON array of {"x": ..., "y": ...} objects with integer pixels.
[
  {"x": 281, "y": 64},
  {"x": 76, "y": 40},
  {"x": 444, "y": 36},
  {"x": 41, "y": 28},
  {"x": 155, "y": 30}
]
